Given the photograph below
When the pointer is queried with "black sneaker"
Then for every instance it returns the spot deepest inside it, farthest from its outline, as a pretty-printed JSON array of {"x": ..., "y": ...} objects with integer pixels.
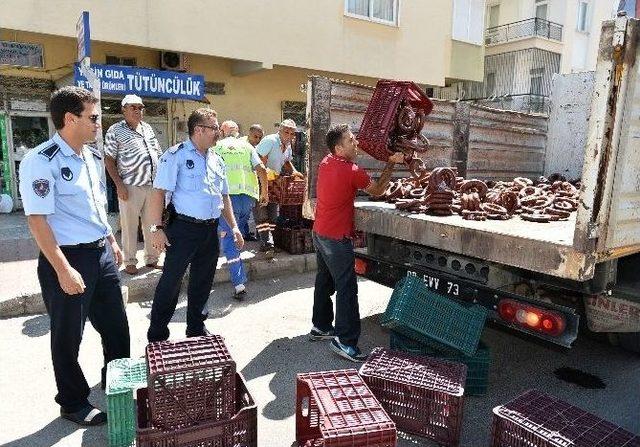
[
  {"x": 316, "y": 334},
  {"x": 348, "y": 352},
  {"x": 88, "y": 416},
  {"x": 203, "y": 333}
]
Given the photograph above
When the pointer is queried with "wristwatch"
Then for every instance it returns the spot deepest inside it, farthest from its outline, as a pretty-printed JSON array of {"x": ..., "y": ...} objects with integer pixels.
[{"x": 154, "y": 228}]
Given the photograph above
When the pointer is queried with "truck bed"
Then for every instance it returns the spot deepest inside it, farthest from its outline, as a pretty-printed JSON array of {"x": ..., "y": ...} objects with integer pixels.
[{"x": 540, "y": 247}]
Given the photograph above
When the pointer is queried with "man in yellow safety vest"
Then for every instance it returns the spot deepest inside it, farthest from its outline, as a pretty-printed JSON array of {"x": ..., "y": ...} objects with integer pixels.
[{"x": 242, "y": 163}]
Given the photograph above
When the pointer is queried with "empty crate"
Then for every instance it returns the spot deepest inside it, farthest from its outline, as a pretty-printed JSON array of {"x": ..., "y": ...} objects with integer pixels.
[
  {"x": 478, "y": 365},
  {"x": 190, "y": 381},
  {"x": 123, "y": 376},
  {"x": 536, "y": 419},
  {"x": 238, "y": 431},
  {"x": 423, "y": 395},
  {"x": 423, "y": 315},
  {"x": 379, "y": 121},
  {"x": 336, "y": 408}
]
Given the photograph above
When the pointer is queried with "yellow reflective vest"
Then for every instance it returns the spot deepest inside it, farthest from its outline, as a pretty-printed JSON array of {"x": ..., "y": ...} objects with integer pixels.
[{"x": 241, "y": 177}]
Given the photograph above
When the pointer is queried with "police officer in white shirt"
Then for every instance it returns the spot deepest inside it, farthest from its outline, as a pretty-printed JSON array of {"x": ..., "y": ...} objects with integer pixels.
[
  {"x": 64, "y": 198},
  {"x": 193, "y": 178}
]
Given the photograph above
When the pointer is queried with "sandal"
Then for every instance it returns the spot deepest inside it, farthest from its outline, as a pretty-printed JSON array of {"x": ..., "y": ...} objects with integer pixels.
[{"x": 87, "y": 416}]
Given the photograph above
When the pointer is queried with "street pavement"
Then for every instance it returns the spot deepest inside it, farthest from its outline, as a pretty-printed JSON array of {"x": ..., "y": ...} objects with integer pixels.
[{"x": 267, "y": 336}]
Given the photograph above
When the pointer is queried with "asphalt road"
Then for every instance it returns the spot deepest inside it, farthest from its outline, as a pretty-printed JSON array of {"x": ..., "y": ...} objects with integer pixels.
[{"x": 267, "y": 337}]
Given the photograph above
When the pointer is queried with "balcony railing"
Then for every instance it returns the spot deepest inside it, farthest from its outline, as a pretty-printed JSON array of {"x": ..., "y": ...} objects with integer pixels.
[{"x": 534, "y": 27}]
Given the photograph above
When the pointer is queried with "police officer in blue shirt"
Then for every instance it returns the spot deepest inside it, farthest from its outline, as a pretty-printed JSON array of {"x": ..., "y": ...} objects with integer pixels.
[
  {"x": 192, "y": 178},
  {"x": 64, "y": 198}
]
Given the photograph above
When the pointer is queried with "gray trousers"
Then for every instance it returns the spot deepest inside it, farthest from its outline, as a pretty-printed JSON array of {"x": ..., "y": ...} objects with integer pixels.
[{"x": 266, "y": 217}]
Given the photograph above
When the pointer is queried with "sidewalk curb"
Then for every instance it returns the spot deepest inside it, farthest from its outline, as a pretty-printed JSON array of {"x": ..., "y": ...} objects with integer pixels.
[{"x": 140, "y": 288}]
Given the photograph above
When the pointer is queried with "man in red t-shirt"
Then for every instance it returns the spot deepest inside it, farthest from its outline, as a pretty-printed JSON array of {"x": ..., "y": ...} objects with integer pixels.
[{"x": 339, "y": 179}]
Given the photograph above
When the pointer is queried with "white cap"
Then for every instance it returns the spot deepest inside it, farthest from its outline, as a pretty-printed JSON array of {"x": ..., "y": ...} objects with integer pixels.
[
  {"x": 131, "y": 99},
  {"x": 291, "y": 124}
]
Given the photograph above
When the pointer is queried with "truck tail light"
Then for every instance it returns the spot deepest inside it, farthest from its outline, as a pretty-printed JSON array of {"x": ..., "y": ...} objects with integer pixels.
[
  {"x": 530, "y": 317},
  {"x": 360, "y": 266}
]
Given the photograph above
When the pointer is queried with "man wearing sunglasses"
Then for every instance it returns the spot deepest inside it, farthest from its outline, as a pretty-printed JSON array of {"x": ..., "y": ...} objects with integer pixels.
[
  {"x": 64, "y": 199},
  {"x": 192, "y": 179},
  {"x": 132, "y": 152}
]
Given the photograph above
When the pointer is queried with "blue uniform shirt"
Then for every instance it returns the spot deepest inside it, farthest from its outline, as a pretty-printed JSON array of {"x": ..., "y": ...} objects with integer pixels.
[
  {"x": 68, "y": 189},
  {"x": 270, "y": 147},
  {"x": 197, "y": 181}
]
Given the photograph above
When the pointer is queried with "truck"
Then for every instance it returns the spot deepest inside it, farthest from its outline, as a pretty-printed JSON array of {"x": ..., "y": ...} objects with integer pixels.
[{"x": 548, "y": 281}]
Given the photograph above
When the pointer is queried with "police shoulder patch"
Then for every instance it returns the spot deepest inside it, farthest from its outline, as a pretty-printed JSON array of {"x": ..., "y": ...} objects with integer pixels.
[
  {"x": 50, "y": 151},
  {"x": 41, "y": 187}
]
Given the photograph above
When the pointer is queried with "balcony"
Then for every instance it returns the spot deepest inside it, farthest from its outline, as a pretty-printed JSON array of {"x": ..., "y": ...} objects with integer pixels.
[{"x": 523, "y": 29}]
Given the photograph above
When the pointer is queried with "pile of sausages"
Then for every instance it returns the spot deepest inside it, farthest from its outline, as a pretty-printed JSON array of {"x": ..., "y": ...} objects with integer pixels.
[{"x": 441, "y": 192}]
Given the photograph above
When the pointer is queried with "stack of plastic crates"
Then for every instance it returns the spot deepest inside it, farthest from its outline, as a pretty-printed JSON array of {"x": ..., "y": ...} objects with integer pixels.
[
  {"x": 379, "y": 121},
  {"x": 293, "y": 232},
  {"x": 423, "y": 396},
  {"x": 193, "y": 395},
  {"x": 477, "y": 365},
  {"x": 287, "y": 190},
  {"x": 426, "y": 323},
  {"x": 123, "y": 377},
  {"x": 336, "y": 408},
  {"x": 536, "y": 419}
]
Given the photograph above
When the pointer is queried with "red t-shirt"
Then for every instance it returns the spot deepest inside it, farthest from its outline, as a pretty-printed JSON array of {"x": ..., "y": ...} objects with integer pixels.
[{"x": 338, "y": 182}]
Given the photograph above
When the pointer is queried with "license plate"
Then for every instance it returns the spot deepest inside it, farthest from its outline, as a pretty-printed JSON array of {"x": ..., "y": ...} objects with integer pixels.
[{"x": 438, "y": 284}]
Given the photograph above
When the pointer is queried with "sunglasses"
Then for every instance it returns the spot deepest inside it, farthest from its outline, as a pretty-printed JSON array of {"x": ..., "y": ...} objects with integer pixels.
[{"x": 214, "y": 128}]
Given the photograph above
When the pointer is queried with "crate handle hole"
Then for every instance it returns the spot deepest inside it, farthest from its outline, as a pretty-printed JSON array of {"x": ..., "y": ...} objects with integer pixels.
[{"x": 304, "y": 406}]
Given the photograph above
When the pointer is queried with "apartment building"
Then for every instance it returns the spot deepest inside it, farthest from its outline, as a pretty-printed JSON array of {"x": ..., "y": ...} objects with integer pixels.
[
  {"x": 526, "y": 42},
  {"x": 252, "y": 57}
]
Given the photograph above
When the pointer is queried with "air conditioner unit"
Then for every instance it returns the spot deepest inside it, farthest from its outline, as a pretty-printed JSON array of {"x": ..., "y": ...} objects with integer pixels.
[{"x": 172, "y": 60}]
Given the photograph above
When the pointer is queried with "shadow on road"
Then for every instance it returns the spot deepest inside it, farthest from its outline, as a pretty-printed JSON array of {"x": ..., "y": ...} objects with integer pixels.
[
  {"x": 36, "y": 326},
  {"x": 59, "y": 428},
  {"x": 285, "y": 357}
]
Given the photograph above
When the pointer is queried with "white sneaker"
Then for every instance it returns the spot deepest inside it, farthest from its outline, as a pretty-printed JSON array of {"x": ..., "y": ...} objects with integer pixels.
[{"x": 240, "y": 288}]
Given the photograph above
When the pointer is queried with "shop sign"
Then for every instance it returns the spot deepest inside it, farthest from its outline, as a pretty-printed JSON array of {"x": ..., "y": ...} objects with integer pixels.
[
  {"x": 21, "y": 54},
  {"x": 121, "y": 80}
]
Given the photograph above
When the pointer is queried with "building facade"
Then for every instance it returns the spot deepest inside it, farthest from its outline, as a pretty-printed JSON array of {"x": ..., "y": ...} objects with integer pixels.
[
  {"x": 254, "y": 57},
  {"x": 526, "y": 43}
]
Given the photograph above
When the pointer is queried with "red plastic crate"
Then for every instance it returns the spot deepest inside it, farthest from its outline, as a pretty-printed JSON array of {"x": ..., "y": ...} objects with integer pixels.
[
  {"x": 293, "y": 240},
  {"x": 379, "y": 120},
  {"x": 337, "y": 409},
  {"x": 536, "y": 419},
  {"x": 423, "y": 395},
  {"x": 287, "y": 190},
  {"x": 238, "y": 431},
  {"x": 190, "y": 381}
]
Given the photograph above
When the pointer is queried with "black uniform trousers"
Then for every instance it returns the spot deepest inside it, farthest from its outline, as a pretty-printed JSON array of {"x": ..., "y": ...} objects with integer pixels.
[
  {"x": 191, "y": 243},
  {"x": 101, "y": 302}
]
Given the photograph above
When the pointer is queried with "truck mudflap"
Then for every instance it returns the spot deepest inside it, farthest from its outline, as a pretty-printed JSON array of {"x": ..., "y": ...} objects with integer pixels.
[{"x": 506, "y": 309}]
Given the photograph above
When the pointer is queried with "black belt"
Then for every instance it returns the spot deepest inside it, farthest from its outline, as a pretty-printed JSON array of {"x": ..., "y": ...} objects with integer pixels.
[
  {"x": 196, "y": 221},
  {"x": 95, "y": 244}
]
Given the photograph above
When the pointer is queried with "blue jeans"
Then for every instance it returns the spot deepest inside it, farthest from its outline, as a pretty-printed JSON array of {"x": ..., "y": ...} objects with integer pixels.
[
  {"x": 336, "y": 274},
  {"x": 242, "y": 208}
]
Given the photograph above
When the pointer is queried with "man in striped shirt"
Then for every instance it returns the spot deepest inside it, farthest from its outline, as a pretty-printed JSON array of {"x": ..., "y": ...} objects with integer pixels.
[{"x": 131, "y": 158}]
